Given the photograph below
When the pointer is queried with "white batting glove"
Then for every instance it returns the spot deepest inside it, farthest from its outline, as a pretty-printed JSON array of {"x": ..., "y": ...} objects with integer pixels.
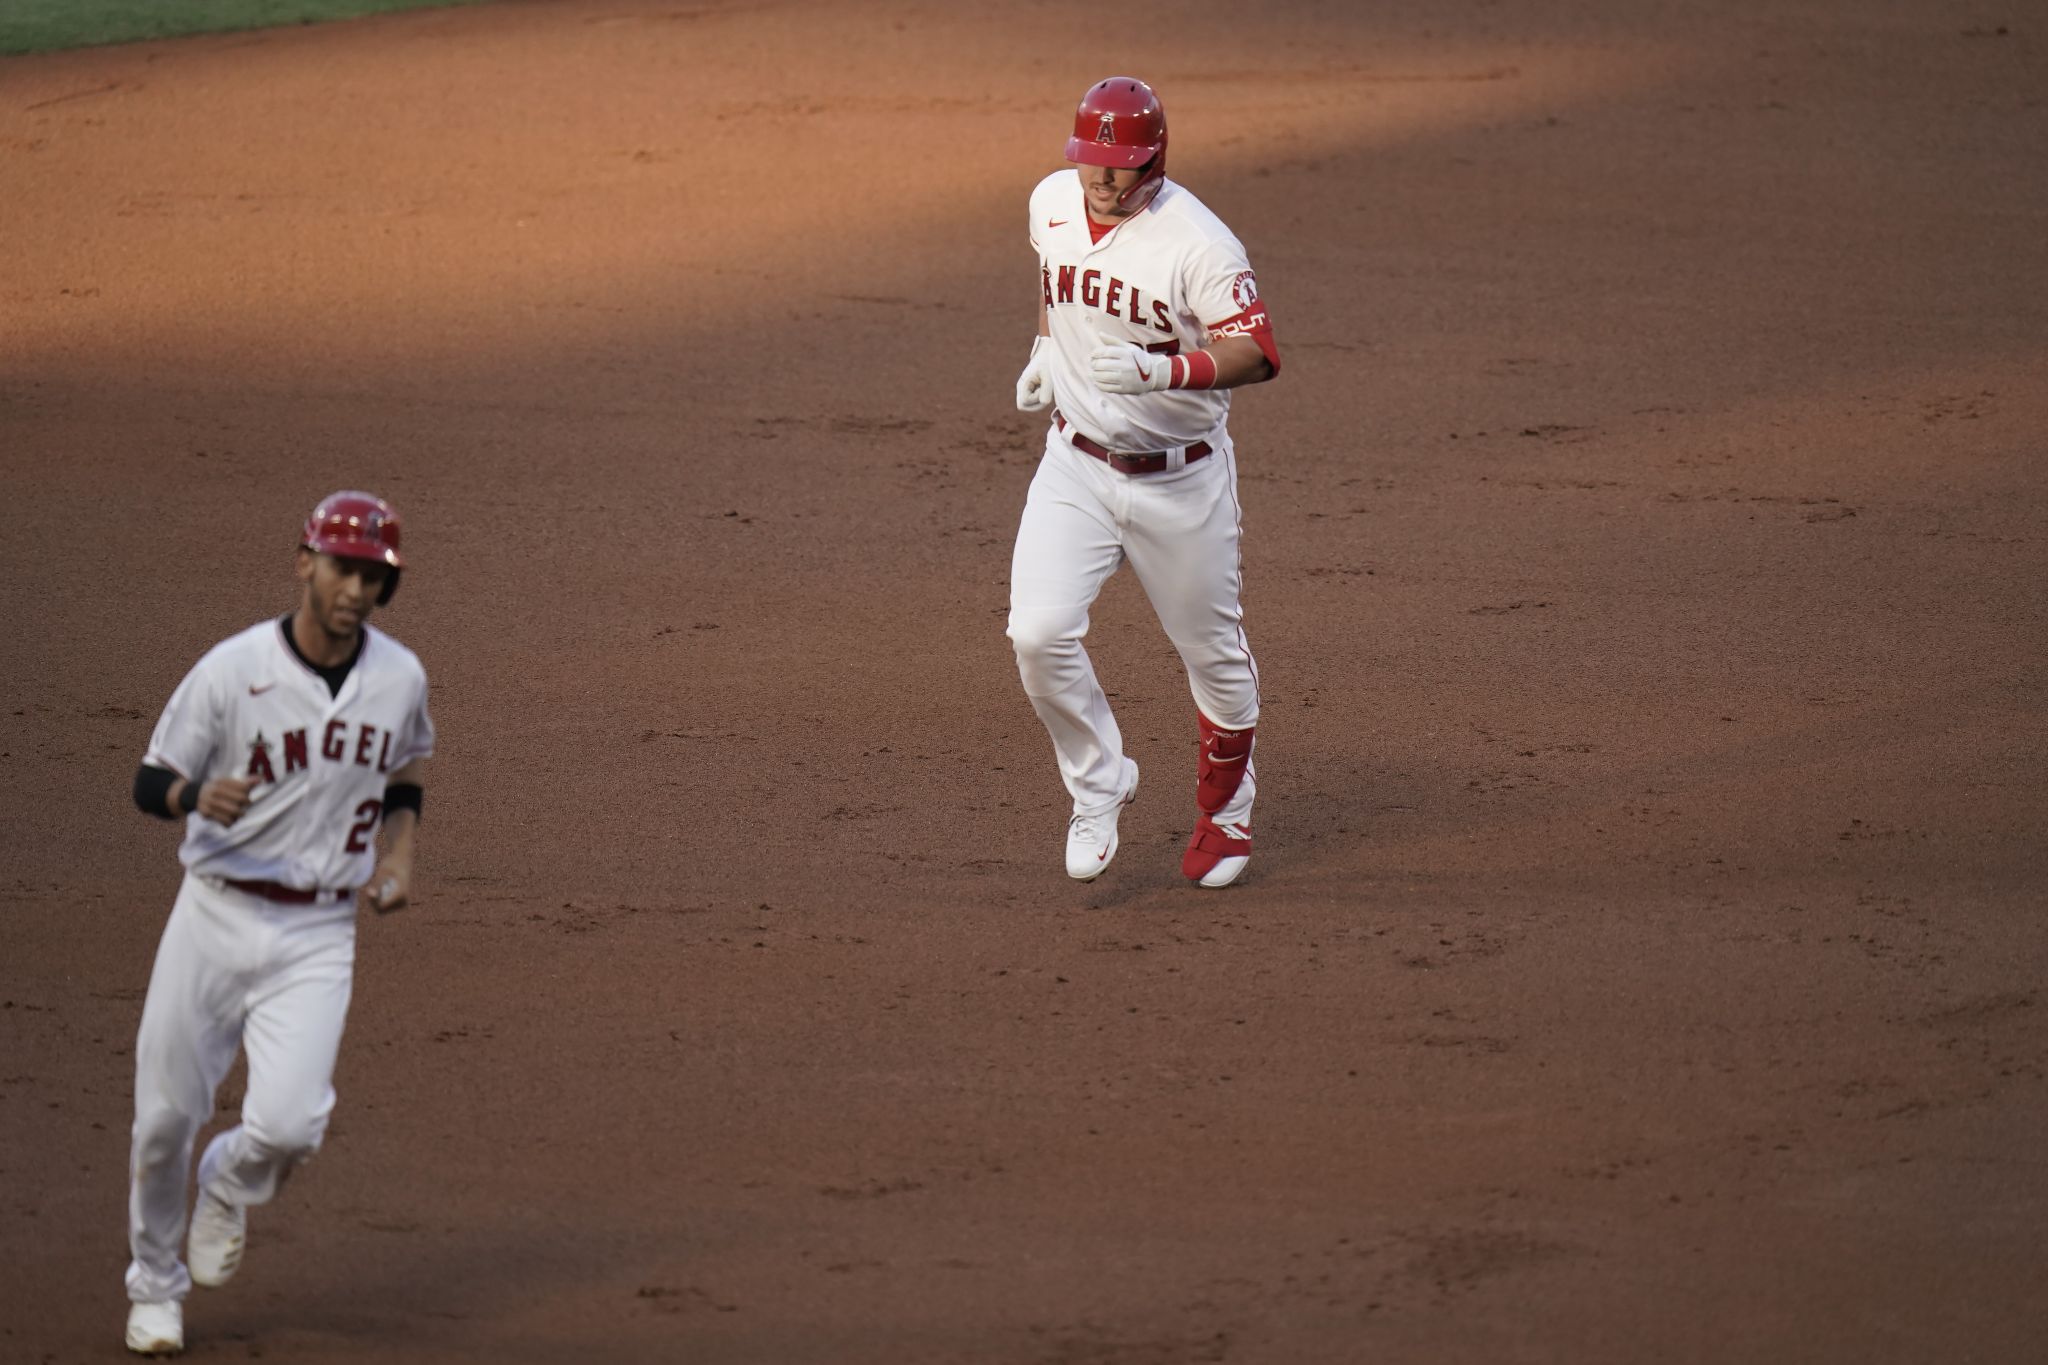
[
  {"x": 1120, "y": 367},
  {"x": 1034, "y": 386}
]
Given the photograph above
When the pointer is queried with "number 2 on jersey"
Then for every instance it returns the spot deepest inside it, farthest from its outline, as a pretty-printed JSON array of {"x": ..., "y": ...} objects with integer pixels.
[{"x": 365, "y": 826}]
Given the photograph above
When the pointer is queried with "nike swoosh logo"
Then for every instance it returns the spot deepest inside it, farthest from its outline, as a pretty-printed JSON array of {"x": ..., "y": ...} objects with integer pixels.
[
  {"x": 1056, "y": 222},
  {"x": 1103, "y": 856},
  {"x": 258, "y": 689},
  {"x": 1143, "y": 373}
]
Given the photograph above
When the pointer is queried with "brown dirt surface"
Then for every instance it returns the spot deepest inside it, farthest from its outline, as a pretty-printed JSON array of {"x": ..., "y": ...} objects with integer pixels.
[{"x": 1644, "y": 954}]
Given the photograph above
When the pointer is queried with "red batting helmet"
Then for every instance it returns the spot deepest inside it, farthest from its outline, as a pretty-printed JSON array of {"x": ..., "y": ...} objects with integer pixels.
[
  {"x": 357, "y": 526},
  {"x": 1121, "y": 123}
]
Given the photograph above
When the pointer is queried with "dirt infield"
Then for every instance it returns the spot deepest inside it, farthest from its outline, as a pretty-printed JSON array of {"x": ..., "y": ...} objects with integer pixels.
[{"x": 1645, "y": 545}]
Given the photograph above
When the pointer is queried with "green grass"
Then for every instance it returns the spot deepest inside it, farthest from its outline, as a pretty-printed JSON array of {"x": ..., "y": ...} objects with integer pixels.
[{"x": 46, "y": 25}]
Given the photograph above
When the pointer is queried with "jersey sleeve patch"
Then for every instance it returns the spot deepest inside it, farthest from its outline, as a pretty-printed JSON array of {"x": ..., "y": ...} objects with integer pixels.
[{"x": 1222, "y": 286}]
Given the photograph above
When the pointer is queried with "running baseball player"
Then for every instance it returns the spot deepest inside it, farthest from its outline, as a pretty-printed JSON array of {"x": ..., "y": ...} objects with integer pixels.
[
  {"x": 1150, "y": 315},
  {"x": 284, "y": 750}
]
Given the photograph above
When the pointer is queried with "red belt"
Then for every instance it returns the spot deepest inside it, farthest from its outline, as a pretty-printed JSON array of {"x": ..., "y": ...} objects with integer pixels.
[
  {"x": 1127, "y": 464},
  {"x": 288, "y": 895}
]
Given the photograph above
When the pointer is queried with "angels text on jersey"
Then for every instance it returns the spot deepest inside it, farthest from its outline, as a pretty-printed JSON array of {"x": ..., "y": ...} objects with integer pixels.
[
  {"x": 318, "y": 762},
  {"x": 1169, "y": 278}
]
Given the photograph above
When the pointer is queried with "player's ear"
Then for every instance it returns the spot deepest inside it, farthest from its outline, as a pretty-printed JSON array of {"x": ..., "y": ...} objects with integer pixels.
[{"x": 302, "y": 565}]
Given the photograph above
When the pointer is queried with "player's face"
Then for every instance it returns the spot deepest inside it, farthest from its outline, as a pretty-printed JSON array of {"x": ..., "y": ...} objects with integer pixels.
[
  {"x": 341, "y": 592},
  {"x": 1104, "y": 185}
]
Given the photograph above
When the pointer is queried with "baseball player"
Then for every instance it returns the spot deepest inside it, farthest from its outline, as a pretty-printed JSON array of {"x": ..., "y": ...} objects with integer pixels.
[
  {"x": 1149, "y": 316},
  {"x": 284, "y": 750}
]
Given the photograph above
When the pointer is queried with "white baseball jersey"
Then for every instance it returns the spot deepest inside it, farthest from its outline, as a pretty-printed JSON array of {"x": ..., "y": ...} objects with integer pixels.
[
  {"x": 252, "y": 708},
  {"x": 1169, "y": 278}
]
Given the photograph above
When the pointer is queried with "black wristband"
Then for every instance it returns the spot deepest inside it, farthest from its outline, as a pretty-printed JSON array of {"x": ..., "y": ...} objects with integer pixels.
[
  {"x": 188, "y": 799},
  {"x": 153, "y": 790},
  {"x": 403, "y": 796}
]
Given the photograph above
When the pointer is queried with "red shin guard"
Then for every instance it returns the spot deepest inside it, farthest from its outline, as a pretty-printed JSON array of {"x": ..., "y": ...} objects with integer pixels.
[
  {"x": 1209, "y": 845},
  {"x": 1225, "y": 756}
]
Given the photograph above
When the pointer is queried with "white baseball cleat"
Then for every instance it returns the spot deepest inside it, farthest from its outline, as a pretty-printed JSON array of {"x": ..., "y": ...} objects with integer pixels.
[
  {"x": 1091, "y": 839},
  {"x": 156, "y": 1329},
  {"x": 1217, "y": 853},
  {"x": 220, "y": 1231}
]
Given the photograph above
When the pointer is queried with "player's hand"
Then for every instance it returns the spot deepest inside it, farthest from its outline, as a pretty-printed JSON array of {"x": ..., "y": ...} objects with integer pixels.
[
  {"x": 1034, "y": 386},
  {"x": 224, "y": 799},
  {"x": 387, "y": 891},
  {"x": 1120, "y": 367}
]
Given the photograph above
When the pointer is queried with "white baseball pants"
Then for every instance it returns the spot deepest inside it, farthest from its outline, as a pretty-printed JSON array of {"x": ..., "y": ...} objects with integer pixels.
[
  {"x": 233, "y": 970},
  {"x": 1179, "y": 529}
]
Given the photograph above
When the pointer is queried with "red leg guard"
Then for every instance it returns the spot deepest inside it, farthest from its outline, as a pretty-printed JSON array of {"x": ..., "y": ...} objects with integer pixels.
[
  {"x": 1225, "y": 754},
  {"x": 1210, "y": 844}
]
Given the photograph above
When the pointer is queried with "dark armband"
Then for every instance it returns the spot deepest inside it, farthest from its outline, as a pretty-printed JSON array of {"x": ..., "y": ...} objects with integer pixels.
[
  {"x": 403, "y": 796},
  {"x": 153, "y": 784}
]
